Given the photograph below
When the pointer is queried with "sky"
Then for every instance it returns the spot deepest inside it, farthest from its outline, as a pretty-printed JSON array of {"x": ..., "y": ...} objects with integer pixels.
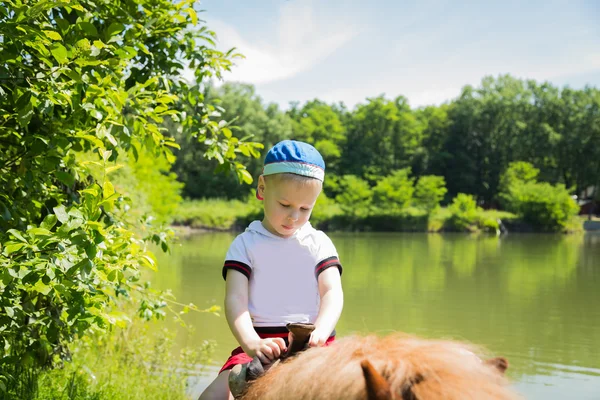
[{"x": 347, "y": 51}]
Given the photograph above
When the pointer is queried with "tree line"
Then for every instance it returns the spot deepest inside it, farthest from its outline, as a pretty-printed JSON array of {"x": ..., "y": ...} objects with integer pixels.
[{"x": 470, "y": 141}]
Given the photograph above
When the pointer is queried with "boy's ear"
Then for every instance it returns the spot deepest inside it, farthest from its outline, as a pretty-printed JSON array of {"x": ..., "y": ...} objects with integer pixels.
[{"x": 260, "y": 189}]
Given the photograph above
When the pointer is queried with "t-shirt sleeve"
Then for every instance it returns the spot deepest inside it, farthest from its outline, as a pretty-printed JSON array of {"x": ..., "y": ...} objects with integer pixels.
[
  {"x": 327, "y": 255},
  {"x": 237, "y": 258}
]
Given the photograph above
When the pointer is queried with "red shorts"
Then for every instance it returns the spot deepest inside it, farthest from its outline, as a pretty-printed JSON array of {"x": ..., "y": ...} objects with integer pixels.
[{"x": 239, "y": 357}]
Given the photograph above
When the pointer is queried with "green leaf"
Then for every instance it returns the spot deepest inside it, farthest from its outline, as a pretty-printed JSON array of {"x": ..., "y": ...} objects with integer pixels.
[
  {"x": 60, "y": 53},
  {"x": 106, "y": 155},
  {"x": 193, "y": 16},
  {"x": 170, "y": 157},
  {"x": 65, "y": 178},
  {"x": 61, "y": 214},
  {"x": 91, "y": 250},
  {"x": 113, "y": 168},
  {"x": 244, "y": 176},
  {"x": 173, "y": 144},
  {"x": 17, "y": 235},
  {"x": 49, "y": 221},
  {"x": 112, "y": 275},
  {"x": 149, "y": 262},
  {"x": 107, "y": 190},
  {"x": 53, "y": 35},
  {"x": 90, "y": 190},
  {"x": 88, "y": 28},
  {"x": 114, "y": 29},
  {"x": 24, "y": 115},
  {"x": 13, "y": 248},
  {"x": 94, "y": 140},
  {"x": 42, "y": 288},
  {"x": 39, "y": 232}
]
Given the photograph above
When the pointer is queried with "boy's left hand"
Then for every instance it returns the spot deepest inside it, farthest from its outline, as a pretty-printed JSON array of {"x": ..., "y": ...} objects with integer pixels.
[{"x": 318, "y": 338}]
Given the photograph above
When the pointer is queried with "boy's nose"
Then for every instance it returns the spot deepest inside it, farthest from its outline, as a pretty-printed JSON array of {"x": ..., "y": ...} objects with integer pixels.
[{"x": 293, "y": 217}]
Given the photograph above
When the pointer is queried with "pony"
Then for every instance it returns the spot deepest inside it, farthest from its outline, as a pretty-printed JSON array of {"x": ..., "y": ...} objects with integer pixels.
[{"x": 394, "y": 367}]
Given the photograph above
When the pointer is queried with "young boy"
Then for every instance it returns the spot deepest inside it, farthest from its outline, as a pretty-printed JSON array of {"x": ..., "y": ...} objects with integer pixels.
[{"x": 279, "y": 270}]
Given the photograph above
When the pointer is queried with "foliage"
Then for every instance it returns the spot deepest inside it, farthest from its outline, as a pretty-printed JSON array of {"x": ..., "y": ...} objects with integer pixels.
[
  {"x": 217, "y": 214},
  {"x": 383, "y": 136},
  {"x": 469, "y": 141},
  {"x": 141, "y": 361},
  {"x": 324, "y": 211},
  {"x": 463, "y": 213},
  {"x": 253, "y": 119},
  {"x": 395, "y": 191},
  {"x": 548, "y": 207},
  {"x": 517, "y": 173},
  {"x": 85, "y": 77},
  {"x": 320, "y": 125},
  {"x": 429, "y": 192},
  {"x": 355, "y": 196}
]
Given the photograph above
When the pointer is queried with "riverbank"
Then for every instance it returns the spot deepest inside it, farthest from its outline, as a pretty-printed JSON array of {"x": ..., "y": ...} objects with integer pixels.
[{"x": 224, "y": 215}]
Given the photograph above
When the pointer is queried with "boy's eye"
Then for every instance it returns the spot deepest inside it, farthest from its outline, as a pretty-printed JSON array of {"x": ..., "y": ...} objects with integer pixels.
[
  {"x": 304, "y": 209},
  {"x": 284, "y": 205}
]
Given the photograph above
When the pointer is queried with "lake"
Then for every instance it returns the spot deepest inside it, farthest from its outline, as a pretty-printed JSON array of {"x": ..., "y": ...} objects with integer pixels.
[{"x": 532, "y": 298}]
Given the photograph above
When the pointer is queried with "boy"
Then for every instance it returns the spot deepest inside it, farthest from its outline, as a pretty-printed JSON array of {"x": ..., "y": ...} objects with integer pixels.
[{"x": 279, "y": 270}]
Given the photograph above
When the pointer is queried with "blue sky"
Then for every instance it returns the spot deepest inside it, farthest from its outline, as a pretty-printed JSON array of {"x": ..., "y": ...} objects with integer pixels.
[{"x": 334, "y": 50}]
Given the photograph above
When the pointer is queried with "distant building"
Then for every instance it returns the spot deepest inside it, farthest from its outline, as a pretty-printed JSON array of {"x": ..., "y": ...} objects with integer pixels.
[{"x": 587, "y": 203}]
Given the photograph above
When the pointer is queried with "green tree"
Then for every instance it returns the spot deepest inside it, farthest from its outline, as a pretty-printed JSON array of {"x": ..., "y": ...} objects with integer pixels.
[
  {"x": 383, "y": 136},
  {"x": 486, "y": 123},
  {"x": 395, "y": 191},
  {"x": 320, "y": 125},
  {"x": 545, "y": 206},
  {"x": 429, "y": 192},
  {"x": 355, "y": 196},
  {"x": 252, "y": 119},
  {"x": 81, "y": 78},
  {"x": 433, "y": 157}
]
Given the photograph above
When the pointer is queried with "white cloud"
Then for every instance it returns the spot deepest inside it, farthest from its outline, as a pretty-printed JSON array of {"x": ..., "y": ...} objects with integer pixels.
[{"x": 300, "y": 42}]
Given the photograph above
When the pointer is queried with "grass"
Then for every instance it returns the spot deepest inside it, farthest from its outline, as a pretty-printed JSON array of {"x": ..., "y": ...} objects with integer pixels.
[
  {"x": 215, "y": 214},
  {"x": 141, "y": 361}
]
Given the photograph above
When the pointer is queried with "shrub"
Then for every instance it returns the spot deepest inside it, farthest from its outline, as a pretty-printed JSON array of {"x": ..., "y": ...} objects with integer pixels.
[
  {"x": 429, "y": 192},
  {"x": 545, "y": 206},
  {"x": 355, "y": 196},
  {"x": 464, "y": 213},
  {"x": 394, "y": 192}
]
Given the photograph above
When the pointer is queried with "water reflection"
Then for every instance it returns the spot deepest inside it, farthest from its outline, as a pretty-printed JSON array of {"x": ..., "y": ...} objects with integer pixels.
[{"x": 532, "y": 298}]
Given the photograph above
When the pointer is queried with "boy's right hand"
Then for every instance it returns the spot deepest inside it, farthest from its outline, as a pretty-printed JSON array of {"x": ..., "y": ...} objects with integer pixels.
[{"x": 267, "y": 350}]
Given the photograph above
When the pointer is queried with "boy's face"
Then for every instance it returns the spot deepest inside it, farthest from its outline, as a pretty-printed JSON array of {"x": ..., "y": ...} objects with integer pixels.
[{"x": 287, "y": 203}]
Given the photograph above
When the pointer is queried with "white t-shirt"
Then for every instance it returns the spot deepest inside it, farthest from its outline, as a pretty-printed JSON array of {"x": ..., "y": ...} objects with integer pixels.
[{"x": 282, "y": 272}]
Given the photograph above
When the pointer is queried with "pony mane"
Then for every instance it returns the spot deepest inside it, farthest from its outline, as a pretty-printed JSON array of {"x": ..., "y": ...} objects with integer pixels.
[{"x": 441, "y": 369}]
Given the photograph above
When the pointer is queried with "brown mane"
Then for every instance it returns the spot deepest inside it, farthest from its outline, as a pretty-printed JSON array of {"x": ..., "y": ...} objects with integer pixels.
[{"x": 425, "y": 369}]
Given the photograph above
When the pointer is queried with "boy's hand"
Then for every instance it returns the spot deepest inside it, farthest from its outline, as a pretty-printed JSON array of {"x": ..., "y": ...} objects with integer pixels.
[
  {"x": 267, "y": 350},
  {"x": 317, "y": 338}
]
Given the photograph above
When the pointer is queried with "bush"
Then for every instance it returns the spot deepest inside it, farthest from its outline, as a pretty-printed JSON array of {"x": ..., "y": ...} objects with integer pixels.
[
  {"x": 98, "y": 78},
  {"x": 394, "y": 192},
  {"x": 545, "y": 206},
  {"x": 355, "y": 196},
  {"x": 464, "y": 213},
  {"x": 429, "y": 192}
]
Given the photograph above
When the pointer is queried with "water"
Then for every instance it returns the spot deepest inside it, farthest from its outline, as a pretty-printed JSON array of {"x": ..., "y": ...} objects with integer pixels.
[{"x": 534, "y": 299}]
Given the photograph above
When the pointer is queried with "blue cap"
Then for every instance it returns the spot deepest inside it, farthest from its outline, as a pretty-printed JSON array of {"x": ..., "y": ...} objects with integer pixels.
[{"x": 291, "y": 156}]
